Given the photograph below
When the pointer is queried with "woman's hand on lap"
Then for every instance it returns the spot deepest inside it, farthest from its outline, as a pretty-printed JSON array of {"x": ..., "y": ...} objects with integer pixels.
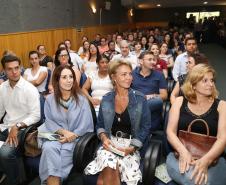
[
  {"x": 69, "y": 136},
  {"x": 185, "y": 160},
  {"x": 200, "y": 172}
]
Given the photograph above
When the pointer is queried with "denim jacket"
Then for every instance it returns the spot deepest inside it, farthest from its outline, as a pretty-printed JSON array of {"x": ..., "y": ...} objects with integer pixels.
[{"x": 139, "y": 113}]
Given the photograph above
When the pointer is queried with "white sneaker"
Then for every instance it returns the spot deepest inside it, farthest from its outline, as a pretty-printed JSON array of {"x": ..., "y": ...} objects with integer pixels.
[{"x": 2, "y": 177}]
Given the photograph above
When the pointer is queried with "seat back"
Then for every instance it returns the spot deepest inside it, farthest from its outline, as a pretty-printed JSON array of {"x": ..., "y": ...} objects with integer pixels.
[{"x": 48, "y": 79}]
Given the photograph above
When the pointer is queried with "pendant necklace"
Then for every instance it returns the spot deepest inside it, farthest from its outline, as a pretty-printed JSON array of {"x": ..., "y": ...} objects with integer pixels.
[
  {"x": 119, "y": 115},
  {"x": 119, "y": 119}
]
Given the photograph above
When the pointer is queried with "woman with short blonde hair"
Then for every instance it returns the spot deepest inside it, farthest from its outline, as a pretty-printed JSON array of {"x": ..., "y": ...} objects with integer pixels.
[
  {"x": 198, "y": 73},
  {"x": 199, "y": 102},
  {"x": 123, "y": 123}
]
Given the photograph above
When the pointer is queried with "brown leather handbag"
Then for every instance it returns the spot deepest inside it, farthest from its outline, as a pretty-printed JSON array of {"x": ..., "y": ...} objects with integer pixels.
[
  {"x": 197, "y": 144},
  {"x": 31, "y": 145}
]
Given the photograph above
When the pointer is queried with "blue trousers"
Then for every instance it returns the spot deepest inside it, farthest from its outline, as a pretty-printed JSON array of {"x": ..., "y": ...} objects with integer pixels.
[
  {"x": 11, "y": 162},
  {"x": 216, "y": 173},
  {"x": 155, "y": 106}
]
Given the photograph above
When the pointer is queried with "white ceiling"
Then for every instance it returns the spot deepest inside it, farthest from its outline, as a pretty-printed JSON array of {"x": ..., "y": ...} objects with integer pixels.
[{"x": 145, "y": 4}]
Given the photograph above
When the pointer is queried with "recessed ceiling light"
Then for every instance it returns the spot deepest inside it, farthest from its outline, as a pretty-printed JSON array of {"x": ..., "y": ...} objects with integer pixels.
[
  {"x": 205, "y": 2},
  {"x": 158, "y": 5}
]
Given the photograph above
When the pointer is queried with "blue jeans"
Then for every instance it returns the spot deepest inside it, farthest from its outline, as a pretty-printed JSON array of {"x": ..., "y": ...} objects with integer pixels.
[
  {"x": 216, "y": 173},
  {"x": 155, "y": 106},
  {"x": 11, "y": 162}
]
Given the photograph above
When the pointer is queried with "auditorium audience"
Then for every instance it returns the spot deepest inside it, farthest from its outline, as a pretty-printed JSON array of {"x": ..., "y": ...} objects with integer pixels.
[{"x": 115, "y": 104}]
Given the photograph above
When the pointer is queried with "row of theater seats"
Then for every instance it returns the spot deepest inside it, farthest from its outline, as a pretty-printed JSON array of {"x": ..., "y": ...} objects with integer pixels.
[{"x": 87, "y": 146}]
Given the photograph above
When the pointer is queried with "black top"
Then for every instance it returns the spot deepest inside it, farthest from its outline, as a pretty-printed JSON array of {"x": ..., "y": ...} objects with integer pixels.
[
  {"x": 45, "y": 61},
  {"x": 211, "y": 117},
  {"x": 121, "y": 123}
]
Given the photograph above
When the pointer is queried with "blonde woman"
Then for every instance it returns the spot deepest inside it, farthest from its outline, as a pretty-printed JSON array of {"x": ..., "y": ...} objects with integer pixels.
[{"x": 199, "y": 101}]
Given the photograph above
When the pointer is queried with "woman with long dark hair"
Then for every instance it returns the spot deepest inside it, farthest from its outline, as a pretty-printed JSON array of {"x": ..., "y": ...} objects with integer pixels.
[{"x": 69, "y": 116}]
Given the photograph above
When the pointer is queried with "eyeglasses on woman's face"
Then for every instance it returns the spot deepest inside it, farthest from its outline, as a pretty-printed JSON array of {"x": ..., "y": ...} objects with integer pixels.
[{"x": 63, "y": 55}]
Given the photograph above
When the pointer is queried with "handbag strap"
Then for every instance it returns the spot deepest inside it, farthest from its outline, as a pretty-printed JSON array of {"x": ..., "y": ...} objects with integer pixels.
[{"x": 199, "y": 120}]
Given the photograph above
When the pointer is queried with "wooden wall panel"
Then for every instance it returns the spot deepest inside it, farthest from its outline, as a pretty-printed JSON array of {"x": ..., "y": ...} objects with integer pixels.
[
  {"x": 151, "y": 24},
  {"x": 22, "y": 43}
]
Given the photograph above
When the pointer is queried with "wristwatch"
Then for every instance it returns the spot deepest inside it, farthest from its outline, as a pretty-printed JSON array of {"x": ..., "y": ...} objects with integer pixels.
[{"x": 18, "y": 125}]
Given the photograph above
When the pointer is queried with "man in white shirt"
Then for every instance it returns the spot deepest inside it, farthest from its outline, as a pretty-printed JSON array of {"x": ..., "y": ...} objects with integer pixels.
[
  {"x": 182, "y": 59},
  {"x": 126, "y": 55},
  {"x": 19, "y": 101}
]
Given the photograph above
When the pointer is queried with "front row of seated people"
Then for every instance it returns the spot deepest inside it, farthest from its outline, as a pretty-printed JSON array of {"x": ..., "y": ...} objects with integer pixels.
[{"x": 123, "y": 111}]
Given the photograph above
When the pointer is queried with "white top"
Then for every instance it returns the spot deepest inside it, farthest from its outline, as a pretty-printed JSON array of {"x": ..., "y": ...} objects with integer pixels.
[
  {"x": 76, "y": 60},
  {"x": 90, "y": 68},
  {"x": 117, "y": 48},
  {"x": 31, "y": 77},
  {"x": 130, "y": 58},
  {"x": 100, "y": 86},
  {"x": 80, "y": 50},
  {"x": 179, "y": 67},
  {"x": 20, "y": 103}
]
